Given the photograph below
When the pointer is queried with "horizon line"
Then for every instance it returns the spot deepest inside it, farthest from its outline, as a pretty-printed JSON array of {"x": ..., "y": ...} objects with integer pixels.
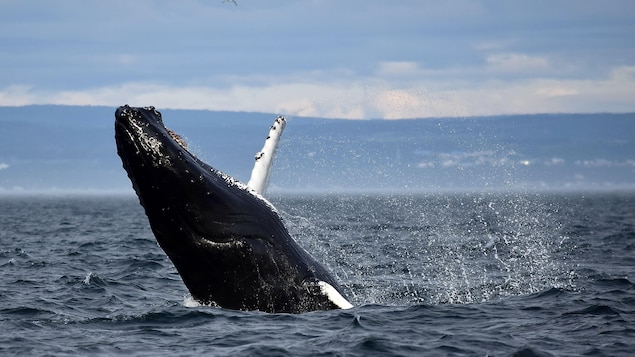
[{"x": 478, "y": 116}]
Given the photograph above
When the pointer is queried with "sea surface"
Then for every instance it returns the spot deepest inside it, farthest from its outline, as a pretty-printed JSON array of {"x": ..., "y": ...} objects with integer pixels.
[{"x": 474, "y": 274}]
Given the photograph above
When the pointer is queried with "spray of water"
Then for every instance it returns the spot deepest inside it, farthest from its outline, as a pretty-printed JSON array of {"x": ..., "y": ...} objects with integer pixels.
[
  {"x": 438, "y": 248},
  {"x": 434, "y": 249}
]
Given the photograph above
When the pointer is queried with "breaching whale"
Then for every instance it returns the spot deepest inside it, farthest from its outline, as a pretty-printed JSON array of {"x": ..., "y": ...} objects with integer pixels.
[{"x": 227, "y": 242}]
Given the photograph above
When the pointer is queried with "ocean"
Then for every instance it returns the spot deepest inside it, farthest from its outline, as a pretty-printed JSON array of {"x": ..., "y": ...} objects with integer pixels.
[{"x": 456, "y": 274}]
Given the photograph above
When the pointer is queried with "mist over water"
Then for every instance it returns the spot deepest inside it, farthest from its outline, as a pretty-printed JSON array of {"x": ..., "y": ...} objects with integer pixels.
[{"x": 431, "y": 249}]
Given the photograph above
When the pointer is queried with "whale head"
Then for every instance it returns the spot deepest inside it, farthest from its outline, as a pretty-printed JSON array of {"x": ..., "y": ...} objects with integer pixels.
[{"x": 228, "y": 243}]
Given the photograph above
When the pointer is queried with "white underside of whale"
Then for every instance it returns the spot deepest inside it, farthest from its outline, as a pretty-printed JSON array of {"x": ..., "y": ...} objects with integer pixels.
[{"x": 333, "y": 295}]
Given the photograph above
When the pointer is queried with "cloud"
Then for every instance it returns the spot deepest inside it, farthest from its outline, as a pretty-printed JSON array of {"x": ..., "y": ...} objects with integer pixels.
[
  {"x": 339, "y": 94},
  {"x": 556, "y": 91},
  {"x": 398, "y": 68},
  {"x": 3, "y": 166},
  {"x": 492, "y": 45},
  {"x": 18, "y": 95},
  {"x": 395, "y": 104},
  {"x": 365, "y": 62},
  {"x": 514, "y": 62},
  {"x": 552, "y": 95}
]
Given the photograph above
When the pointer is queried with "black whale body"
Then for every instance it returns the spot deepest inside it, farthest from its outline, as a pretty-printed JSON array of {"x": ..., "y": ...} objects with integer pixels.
[{"x": 228, "y": 244}]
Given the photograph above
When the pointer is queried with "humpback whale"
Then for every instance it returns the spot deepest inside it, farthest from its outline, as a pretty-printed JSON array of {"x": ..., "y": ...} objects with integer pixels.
[{"x": 227, "y": 242}]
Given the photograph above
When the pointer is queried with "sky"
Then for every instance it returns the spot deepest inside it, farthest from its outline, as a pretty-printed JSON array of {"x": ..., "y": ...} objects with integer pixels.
[{"x": 355, "y": 59}]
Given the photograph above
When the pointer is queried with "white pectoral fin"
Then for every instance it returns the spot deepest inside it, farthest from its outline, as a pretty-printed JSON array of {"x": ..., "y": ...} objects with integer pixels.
[
  {"x": 334, "y": 295},
  {"x": 264, "y": 159}
]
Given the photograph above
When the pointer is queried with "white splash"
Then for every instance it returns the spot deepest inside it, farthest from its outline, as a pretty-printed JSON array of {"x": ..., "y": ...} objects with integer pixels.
[
  {"x": 87, "y": 278},
  {"x": 189, "y": 301}
]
